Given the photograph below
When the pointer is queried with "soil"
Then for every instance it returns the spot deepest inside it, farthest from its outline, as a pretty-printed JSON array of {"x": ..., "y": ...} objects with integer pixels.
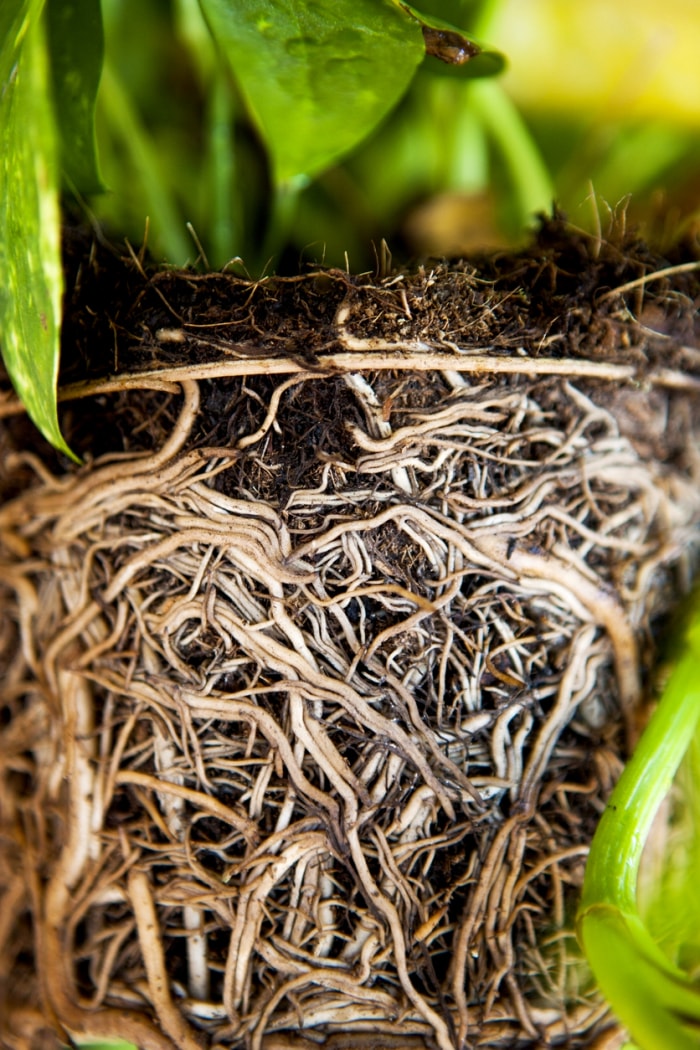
[{"x": 318, "y": 671}]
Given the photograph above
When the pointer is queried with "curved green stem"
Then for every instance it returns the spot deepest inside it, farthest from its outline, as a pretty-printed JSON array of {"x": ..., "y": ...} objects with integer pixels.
[
  {"x": 533, "y": 191},
  {"x": 657, "y": 1001}
]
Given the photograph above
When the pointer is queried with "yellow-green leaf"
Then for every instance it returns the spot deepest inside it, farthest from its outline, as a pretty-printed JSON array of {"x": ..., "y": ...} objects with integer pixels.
[{"x": 30, "y": 258}]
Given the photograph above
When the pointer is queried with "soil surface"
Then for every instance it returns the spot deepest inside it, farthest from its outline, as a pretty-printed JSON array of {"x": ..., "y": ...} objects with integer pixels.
[{"x": 318, "y": 671}]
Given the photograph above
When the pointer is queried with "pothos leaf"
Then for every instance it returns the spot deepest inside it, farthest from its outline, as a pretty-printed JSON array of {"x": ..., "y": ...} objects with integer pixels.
[
  {"x": 30, "y": 260},
  {"x": 317, "y": 76},
  {"x": 76, "y": 50}
]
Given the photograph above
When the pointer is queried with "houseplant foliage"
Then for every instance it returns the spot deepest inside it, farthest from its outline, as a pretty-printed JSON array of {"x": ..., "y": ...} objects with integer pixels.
[
  {"x": 273, "y": 603},
  {"x": 316, "y": 78}
]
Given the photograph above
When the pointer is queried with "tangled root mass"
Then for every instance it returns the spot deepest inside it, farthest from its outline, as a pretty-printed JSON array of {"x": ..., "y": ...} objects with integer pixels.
[{"x": 315, "y": 685}]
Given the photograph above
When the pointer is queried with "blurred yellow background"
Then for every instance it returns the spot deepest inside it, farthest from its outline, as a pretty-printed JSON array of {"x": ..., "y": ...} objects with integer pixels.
[{"x": 616, "y": 58}]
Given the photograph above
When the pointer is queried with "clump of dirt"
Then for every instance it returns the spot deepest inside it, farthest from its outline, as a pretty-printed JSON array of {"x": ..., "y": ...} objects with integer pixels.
[{"x": 317, "y": 674}]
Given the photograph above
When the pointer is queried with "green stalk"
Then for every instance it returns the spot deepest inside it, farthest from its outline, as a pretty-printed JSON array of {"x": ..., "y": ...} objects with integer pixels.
[
  {"x": 155, "y": 192},
  {"x": 225, "y": 215},
  {"x": 283, "y": 210},
  {"x": 222, "y": 192},
  {"x": 655, "y": 999},
  {"x": 532, "y": 187}
]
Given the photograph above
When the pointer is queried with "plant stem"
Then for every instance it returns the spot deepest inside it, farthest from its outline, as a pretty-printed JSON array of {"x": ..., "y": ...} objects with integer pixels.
[
  {"x": 225, "y": 225},
  {"x": 533, "y": 191},
  {"x": 652, "y": 996},
  {"x": 283, "y": 208},
  {"x": 155, "y": 191}
]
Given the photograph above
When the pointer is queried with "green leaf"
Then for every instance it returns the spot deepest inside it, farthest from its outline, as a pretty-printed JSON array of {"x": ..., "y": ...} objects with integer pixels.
[
  {"x": 317, "y": 76},
  {"x": 30, "y": 258},
  {"x": 76, "y": 50}
]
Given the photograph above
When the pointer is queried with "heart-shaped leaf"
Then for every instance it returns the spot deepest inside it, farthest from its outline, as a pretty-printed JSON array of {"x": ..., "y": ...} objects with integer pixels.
[{"x": 317, "y": 76}]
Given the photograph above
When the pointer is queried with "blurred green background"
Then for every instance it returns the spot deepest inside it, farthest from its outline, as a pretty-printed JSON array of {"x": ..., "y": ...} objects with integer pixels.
[{"x": 599, "y": 109}]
